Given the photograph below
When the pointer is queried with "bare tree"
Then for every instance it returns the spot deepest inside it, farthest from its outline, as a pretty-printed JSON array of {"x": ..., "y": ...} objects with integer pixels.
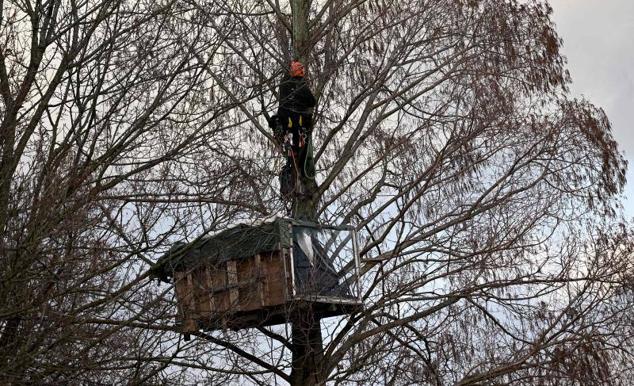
[
  {"x": 108, "y": 130},
  {"x": 485, "y": 197}
]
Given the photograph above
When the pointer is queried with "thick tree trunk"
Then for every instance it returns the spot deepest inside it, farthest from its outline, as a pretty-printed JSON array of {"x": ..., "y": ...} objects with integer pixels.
[
  {"x": 300, "y": 9},
  {"x": 307, "y": 341},
  {"x": 307, "y": 349}
]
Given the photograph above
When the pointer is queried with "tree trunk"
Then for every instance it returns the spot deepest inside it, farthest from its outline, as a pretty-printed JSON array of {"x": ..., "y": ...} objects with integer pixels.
[
  {"x": 305, "y": 203},
  {"x": 300, "y": 10},
  {"x": 307, "y": 349},
  {"x": 307, "y": 341}
]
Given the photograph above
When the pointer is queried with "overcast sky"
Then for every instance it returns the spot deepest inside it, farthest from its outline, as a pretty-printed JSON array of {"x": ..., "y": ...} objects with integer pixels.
[{"x": 599, "y": 44}]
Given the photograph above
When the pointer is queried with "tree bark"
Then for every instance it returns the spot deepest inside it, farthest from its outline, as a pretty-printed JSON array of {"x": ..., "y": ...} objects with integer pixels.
[
  {"x": 300, "y": 10},
  {"x": 307, "y": 348}
]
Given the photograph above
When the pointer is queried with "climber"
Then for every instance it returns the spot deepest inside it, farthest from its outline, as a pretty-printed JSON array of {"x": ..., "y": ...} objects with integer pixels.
[{"x": 293, "y": 126}]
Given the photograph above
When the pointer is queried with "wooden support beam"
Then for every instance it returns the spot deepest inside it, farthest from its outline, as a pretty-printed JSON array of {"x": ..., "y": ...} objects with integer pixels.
[
  {"x": 189, "y": 324},
  {"x": 232, "y": 284},
  {"x": 210, "y": 291},
  {"x": 258, "y": 277}
]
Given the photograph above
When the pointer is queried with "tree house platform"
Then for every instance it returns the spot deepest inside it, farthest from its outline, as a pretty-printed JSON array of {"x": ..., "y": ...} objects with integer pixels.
[{"x": 254, "y": 276}]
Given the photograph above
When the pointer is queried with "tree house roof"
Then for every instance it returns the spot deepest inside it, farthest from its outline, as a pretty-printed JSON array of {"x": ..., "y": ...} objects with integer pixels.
[{"x": 239, "y": 242}]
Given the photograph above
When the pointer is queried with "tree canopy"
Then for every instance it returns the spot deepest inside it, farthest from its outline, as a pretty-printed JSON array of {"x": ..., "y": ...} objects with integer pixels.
[{"x": 486, "y": 197}]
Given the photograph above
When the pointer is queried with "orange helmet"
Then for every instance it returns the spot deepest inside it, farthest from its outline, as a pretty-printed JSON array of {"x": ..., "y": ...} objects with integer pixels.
[{"x": 297, "y": 69}]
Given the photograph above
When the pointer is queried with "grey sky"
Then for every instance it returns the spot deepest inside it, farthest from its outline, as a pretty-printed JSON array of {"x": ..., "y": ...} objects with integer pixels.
[{"x": 599, "y": 44}]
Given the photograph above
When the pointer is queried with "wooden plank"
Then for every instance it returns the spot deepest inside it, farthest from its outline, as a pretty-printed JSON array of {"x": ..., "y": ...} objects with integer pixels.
[
  {"x": 248, "y": 278},
  {"x": 265, "y": 288},
  {"x": 180, "y": 288},
  {"x": 275, "y": 279},
  {"x": 232, "y": 283},
  {"x": 197, "y": 307},
  {"x": 259, "y": 287},
  {"x": 219, "y": 289},
  {"x": 211, "y": 287},
  {"x": 189, "y": 324},
  {"x": 246, "y": 285}
]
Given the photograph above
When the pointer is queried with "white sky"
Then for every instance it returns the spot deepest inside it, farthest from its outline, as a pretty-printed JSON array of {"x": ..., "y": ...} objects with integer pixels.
[{"x": 599, "y": 44}]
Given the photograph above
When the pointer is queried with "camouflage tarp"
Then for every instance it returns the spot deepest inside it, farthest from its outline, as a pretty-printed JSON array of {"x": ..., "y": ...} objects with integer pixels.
[{"x": 236, "y": 243}]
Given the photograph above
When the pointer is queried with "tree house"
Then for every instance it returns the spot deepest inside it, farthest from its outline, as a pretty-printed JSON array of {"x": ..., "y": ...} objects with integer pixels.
[{"x": 251, "y": 276}]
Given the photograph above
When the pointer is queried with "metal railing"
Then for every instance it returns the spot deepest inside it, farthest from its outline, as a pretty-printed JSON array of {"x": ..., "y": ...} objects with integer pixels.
[{"x": 325, "y": 263}]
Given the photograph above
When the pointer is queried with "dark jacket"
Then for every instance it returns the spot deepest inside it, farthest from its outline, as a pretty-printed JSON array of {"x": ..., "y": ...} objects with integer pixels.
[{"x": 295, "y": 97}]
